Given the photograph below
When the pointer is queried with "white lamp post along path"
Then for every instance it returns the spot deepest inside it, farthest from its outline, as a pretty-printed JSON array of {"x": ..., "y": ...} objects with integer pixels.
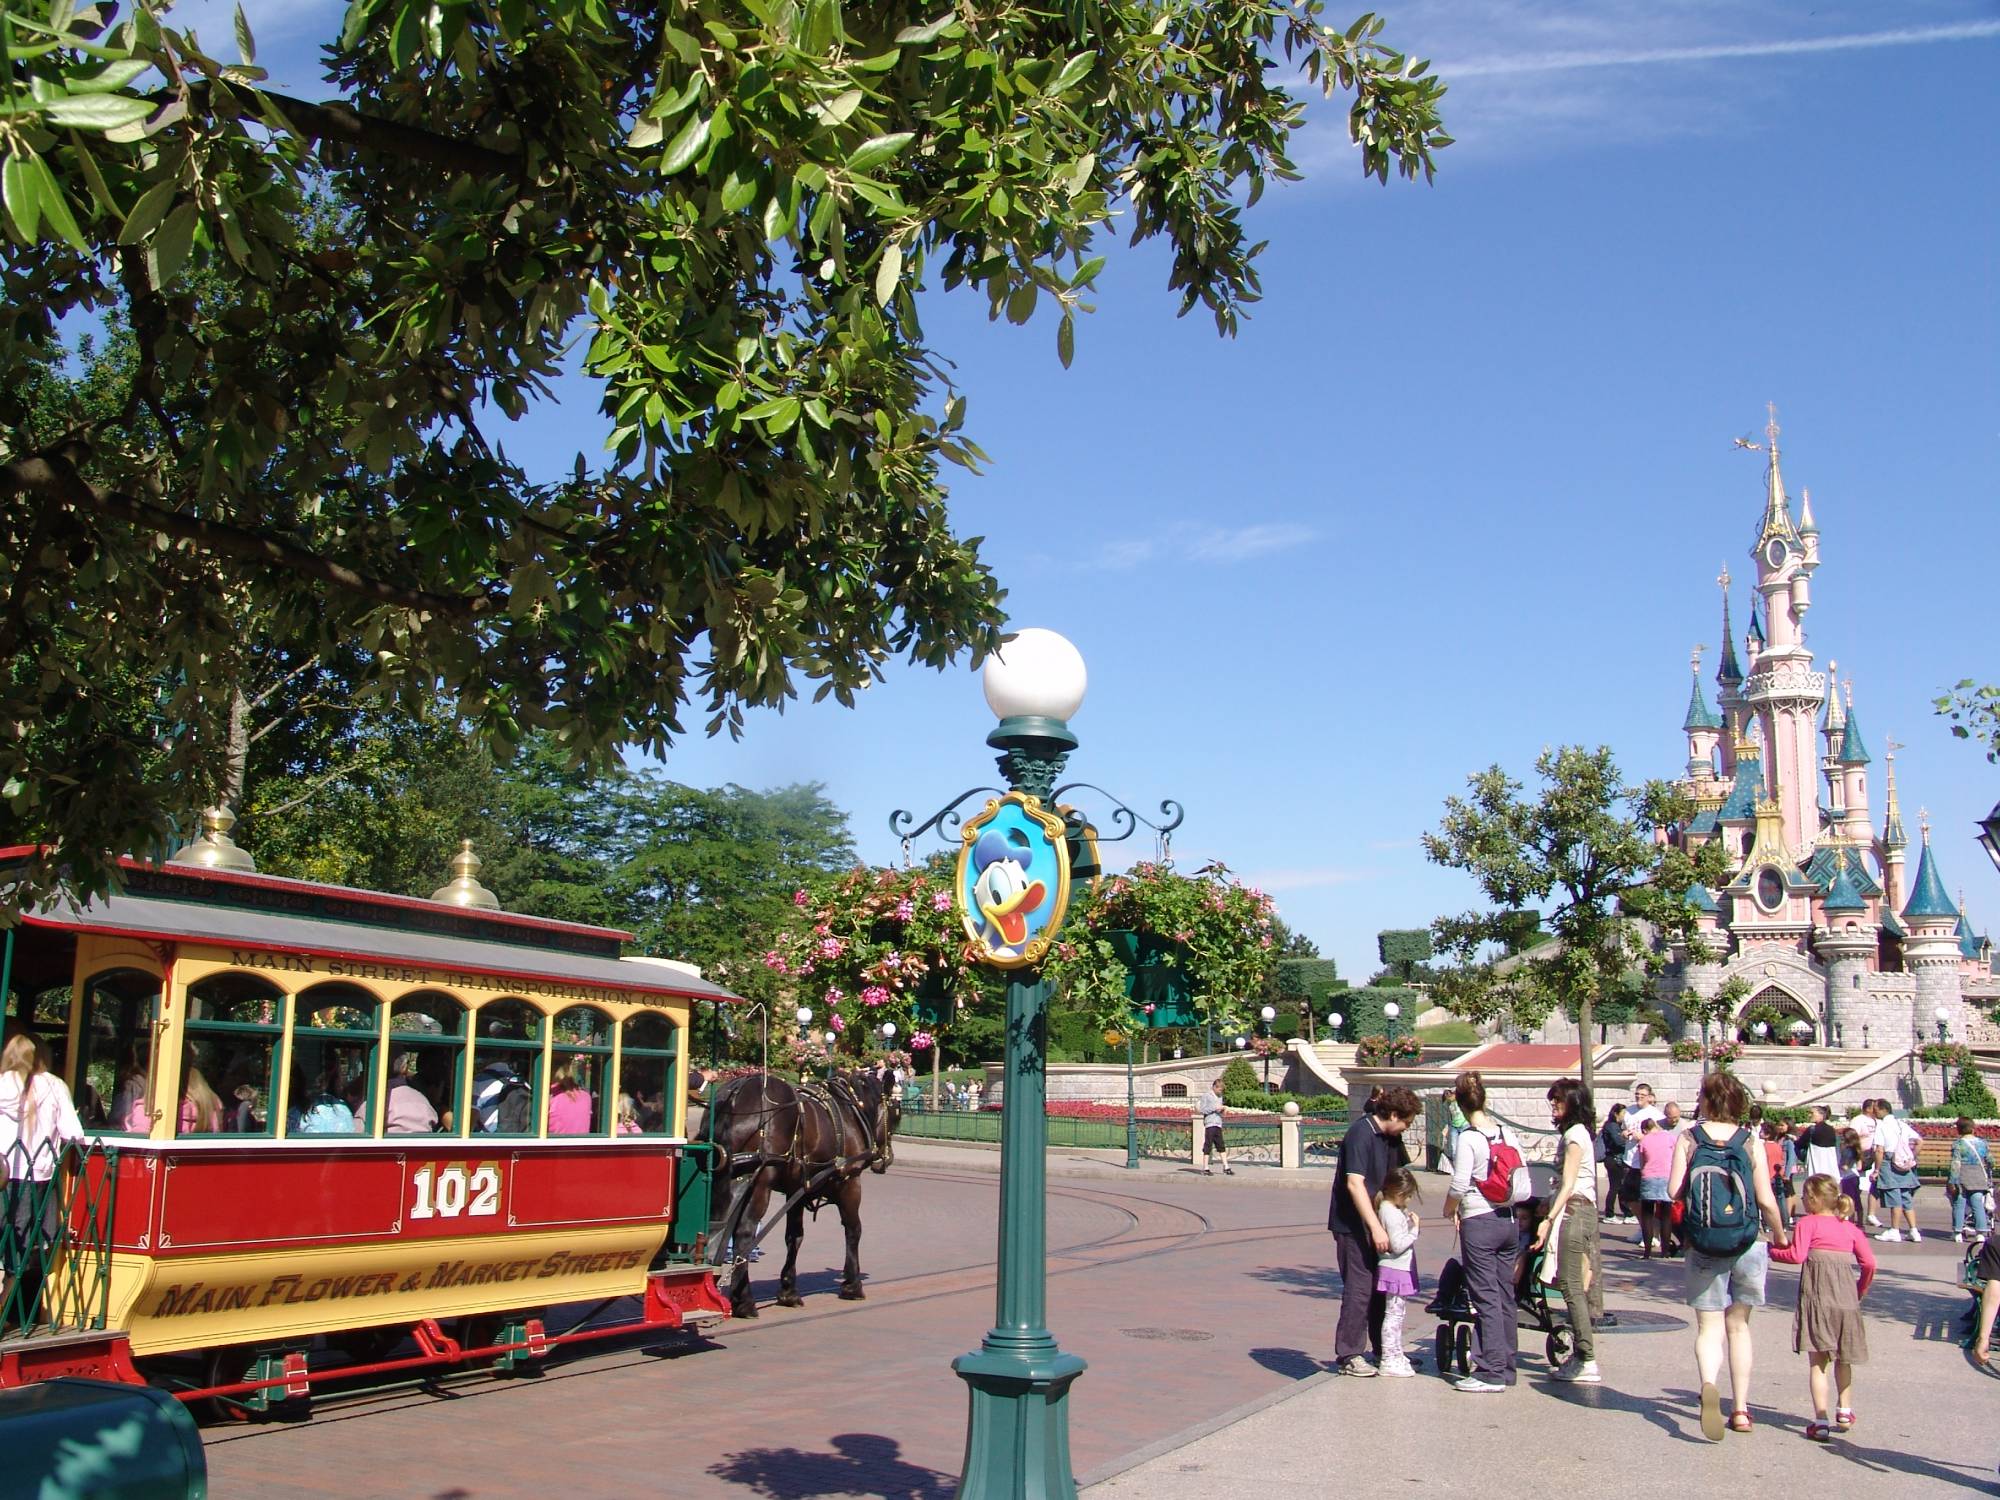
[
  {"x": 1037, "y": 675},
  {"x": 1389, "y": 1014},
  {"x": 1943, "y": 1018},
  {"x": 888, "y": 1032},
  {"x": 1333, "y": 1020},
  {"x": 805, "y": 1014},
  {"x": 1267, "y": 1015}
]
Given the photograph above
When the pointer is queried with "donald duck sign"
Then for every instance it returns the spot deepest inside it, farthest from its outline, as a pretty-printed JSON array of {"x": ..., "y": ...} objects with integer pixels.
[{"x": 1013, "y": 880}]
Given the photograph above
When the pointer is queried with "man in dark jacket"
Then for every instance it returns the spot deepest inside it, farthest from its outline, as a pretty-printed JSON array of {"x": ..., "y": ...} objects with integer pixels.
[{"x": 1371, "y": 1150}]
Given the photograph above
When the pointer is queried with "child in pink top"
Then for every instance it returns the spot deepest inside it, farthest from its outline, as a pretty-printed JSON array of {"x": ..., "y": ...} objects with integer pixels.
[{"x": 1826, "y": 1245}]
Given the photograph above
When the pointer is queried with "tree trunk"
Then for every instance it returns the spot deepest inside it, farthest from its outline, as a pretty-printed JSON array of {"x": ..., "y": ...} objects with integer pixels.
[{"x": 1584, "y": 1049}]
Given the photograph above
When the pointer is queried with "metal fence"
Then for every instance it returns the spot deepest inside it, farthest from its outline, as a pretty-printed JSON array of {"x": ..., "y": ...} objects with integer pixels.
[
  {"x": 1251, "y": 1140},
  {"x": 55, "y": 1240}
]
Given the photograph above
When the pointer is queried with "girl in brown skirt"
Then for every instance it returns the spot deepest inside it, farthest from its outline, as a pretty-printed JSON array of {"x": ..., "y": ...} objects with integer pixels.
[{"x": 1826, "y": 1247}]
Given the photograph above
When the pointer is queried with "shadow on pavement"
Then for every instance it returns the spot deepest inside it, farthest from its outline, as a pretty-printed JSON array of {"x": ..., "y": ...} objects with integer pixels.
[
  {"x": 1302, "y": 1281},
  {"x": 1293, "y": 1364},
  {"x": 861, "y": 1463}
]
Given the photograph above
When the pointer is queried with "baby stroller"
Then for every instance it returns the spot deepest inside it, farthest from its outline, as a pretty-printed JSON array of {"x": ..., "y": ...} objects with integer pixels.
[{"x": 1535, "y": 1302}]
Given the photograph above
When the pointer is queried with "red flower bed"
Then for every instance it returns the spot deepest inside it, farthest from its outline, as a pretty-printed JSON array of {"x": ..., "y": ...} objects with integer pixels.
[
  {"x": 1946, "y": 1130},
  {"x": 1152, "y": 1113}
]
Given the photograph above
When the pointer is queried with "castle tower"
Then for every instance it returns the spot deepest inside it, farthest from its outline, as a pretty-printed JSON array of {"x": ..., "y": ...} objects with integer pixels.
[
  {"x": 1729, "y": 685},
  {"x": 1829, "y": 762},
  {"x": 1856, "y": 826},
  {"x": 1702, "y": 726},
  {"x": 1782, "y": 690},
  {"x": 1846, "y": 945},
  {"x": 1930, "y": 951},
  {"x": 1894, "y": 842}
]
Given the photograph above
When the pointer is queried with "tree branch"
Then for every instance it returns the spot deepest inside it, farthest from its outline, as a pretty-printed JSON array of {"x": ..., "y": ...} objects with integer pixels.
[
  {"x": 53, "y": 475},
  {"x": 337, "y": 120}
]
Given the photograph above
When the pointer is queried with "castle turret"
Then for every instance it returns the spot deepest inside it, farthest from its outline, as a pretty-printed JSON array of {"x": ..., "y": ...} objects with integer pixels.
[
  {"x": 1846, "y": 944},
  {"x": 1930, "y": 950},
  {"x": 1702, "y": 726},
  {"x": 1729, "y": 685},
  {"x": 1829, "y": 762},
  {"x": 1856, "y": 825},
  {"x": 1894, "y": 842}
]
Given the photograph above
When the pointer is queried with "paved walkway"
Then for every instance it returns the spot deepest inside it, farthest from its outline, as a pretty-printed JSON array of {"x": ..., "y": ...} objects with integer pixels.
[{"x": 1205, "y": 1309}]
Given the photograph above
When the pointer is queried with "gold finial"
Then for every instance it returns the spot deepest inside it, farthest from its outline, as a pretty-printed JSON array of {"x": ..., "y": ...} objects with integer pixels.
[
  {"x": 1722, "y": 579},
  {"x": 1924, "y": 822},
  {"x": 1771, "y": 427},
  {"x": 464, "y": 889},
  {"x": 213, "y": 848},
  {"x": 1694, "y": 660}
]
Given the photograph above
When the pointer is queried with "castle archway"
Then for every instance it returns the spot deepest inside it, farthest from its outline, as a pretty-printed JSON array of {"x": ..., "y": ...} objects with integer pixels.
[{"x": 1779, "y": 1009}]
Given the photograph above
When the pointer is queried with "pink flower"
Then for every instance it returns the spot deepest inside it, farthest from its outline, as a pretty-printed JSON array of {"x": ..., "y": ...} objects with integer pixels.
[
  {"x": 893, "y": 960},
  {"x": 837, "y": 1023},
  {"x": 1264, "y": 941},
  {"x": 940, "y": 900},
  {"x": 822, "y": 929},
  {"x": 904, "y": 910},
  {"x": 800, "y": 898},
  {"x": 834, "y": 995},
  {"x": 831, "y": 947},
  {"x": 804, "y": 969},
  {"x": 775, "y": 960},
  {"x": 874, "y": 995},
  {"x": 922, "y": 1041}
]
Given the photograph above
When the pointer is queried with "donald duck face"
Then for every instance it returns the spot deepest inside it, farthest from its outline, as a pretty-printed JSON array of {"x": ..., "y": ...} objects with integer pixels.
[{"x": 1002, "y": 893}]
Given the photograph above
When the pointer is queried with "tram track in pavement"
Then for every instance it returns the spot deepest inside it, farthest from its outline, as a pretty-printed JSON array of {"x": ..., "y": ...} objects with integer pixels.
[{"x": 1152, "y": 1230}]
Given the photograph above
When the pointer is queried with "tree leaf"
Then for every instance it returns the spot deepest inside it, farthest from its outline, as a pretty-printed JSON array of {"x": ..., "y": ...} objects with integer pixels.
[
  {"x": 881, "y": 148},
  {"x": 55, "y": 206},
  {"x": 95, "y": 111},
  {"x": 172, "y": 243},
  {"x": 648, "y": 132},
  {"x": 888, "y": 271},
  {"x": 148, "y": 211},
  {"x": 21, "y": 190},
  {"x": 686, "y": 145},
  {"x": 1067, "y": 76},
  {"x": 246, "y": 44},
  {"x": 1066, "y": 339},
  {"x": 112, "y": 76},
  {"x": 916, "y": 36}
]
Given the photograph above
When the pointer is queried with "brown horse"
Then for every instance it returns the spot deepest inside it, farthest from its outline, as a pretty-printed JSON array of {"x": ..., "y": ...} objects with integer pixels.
[{"x": 810, "y": 1141}]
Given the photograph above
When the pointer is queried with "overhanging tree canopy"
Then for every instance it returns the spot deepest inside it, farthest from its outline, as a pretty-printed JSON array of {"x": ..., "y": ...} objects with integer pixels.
[{"x": 728, "y": 208}]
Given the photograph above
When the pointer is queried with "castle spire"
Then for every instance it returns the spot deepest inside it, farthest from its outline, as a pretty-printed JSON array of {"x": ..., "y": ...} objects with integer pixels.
[
  {"x": 1730, "y": 672},
  {"x": 1807, "y": 525},
  {"x": 1699, "y": 714},
  {"x": 1836, "y": 720},
  {"x": 1927, "y": 897},
  {"x": 1893, "y": 836},
  {"x": 1777, "y": 512},
  {"x": 1853, "y": 752}
]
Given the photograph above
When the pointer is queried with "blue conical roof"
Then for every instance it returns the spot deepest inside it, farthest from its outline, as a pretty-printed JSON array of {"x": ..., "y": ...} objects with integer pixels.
[
  {"x": 1844, "y": 896},
  {"x": 1698, "y": 896},
  {"x": 1756, "y": 629},
  {"x": 1927, "y": 897},
  {"x": 1749, "y": 787},
  {"x": 1969, "y": 943},
  {"x": 1699, "y": 714},
  {"x": 1852, "y": 751},
  {"x": 1731, "y": 671}
]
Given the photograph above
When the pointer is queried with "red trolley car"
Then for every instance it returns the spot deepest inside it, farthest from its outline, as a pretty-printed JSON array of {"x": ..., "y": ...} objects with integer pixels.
[{"x": 336, "y": 1132}]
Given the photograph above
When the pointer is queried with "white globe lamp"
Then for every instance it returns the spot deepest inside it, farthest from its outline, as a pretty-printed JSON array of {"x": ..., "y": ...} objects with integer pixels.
[
  {"x": 888, "y": 1030},
  {"x": 805, "y": 1014},
  {"x": 1036, "y": 675},
  {"x": 1392, "y": 1010}
]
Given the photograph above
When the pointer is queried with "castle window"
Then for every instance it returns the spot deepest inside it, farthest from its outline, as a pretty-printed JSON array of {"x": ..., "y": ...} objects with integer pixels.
[
  {"x": 1770, "y": 888},
  {"x": 1173, "y": 1091}
]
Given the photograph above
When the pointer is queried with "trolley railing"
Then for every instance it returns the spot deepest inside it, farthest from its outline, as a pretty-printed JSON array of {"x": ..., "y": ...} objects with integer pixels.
[
  {"x": 55, "y": 1240},
  {"x": 1162, "y": 1138}
]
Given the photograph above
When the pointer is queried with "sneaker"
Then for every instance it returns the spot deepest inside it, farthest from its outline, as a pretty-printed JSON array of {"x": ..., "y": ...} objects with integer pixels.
[
  {"x": 1397, "y": 1367},
  {"x": 1474, "y": 1385},
  {"x": 1208, "y": 1171},
  {"x": 1579, "y": 1372},
  {"x": 1229, "y": 1171},
  {"x": 1873, "y": 1222},
  {"x": 1891, "y": 1236},
  {"x": 1357, "y": 1366},
  {"x": 1916, "y": 1235}
]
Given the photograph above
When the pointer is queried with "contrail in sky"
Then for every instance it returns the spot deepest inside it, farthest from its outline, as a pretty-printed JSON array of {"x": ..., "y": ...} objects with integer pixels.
[{"x": 1555, "y": 62}]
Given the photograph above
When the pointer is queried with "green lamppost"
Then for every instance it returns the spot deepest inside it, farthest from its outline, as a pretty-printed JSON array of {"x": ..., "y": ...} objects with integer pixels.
[
  {"x": 1015, "y": 863},
  {"x": 1389, "y": 1014},
  {"x": 1943, "y": 1017},
  {"x": 1131, "y": 1097}
]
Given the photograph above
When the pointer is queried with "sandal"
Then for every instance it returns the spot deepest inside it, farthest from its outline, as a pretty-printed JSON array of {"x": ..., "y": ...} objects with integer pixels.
[
  {"x": 1843, "y": 1419},
  {"x": 1711, "y": 1413},
  {"x": 1741, "y": 1421},
  {"x": 1818, "y": 1432}
]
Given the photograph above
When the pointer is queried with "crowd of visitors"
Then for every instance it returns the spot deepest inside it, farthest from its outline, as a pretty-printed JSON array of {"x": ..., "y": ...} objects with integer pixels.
[{"x": 1727, "y": 1193}]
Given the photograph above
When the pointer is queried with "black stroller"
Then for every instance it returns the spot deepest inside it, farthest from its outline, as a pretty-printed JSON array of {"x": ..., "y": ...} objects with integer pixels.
[{"x": 1536, "y": 1302}]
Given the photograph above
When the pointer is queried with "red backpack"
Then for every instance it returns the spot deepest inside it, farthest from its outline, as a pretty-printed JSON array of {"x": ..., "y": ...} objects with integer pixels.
[{"x": 1502, "y": 1162}]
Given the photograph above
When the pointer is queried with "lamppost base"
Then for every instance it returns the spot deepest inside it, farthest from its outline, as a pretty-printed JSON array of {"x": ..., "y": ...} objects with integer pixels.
[{"x": 1017, "y": 1435}]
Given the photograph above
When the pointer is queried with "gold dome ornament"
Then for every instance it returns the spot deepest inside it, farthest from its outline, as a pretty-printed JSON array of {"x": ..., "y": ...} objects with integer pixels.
[
  {"x": 213, "y": 848},
  {"x": 464, "y": 889}
]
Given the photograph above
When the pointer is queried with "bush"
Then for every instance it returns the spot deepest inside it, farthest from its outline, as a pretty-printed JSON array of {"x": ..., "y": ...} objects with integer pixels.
[
  {"x": 1240, "y": 1078},
  {"x": 1969, "y": 1095},
  {"x": 1317, "y": 1106},
  {"x": 1687, "y": 1049},
  {"x": 1380, "y": 1051}
]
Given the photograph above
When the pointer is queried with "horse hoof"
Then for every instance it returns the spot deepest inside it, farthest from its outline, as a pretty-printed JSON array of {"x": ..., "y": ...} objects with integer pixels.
[
  {"x": 745, "y": 1310},
  {"x": 790, "y": 1299},
  {"x": 853, "y": 1294}
]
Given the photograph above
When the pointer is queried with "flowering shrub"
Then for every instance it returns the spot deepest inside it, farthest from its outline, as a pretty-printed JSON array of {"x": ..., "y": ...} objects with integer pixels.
[
  {"x": 1687, "y": 1049},
  {"x": 1946, "y": 1054},
  {"x": 1221, "y": 927},
  {"x": 1383, "y": 1052},
  {"x": 1723, "y": 1053},
  {"x": 866, "y": 941}
]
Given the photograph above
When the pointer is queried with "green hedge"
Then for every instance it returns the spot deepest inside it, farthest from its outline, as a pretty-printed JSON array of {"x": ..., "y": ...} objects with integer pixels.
[{"x": 1361, "y": 1011}]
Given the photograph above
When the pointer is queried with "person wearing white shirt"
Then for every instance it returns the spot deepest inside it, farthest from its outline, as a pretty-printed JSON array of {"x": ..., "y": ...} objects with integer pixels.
[
  {"x": 1896, "y": 1173},
  {"x": 37, "y": 1119}
]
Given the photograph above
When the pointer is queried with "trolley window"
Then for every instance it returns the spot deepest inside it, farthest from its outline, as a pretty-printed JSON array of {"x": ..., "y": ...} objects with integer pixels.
[
  {"x": 648, "y": 1043},
  {"x": 334, "y": 1040},
  {"x": 579, "y": 1090},
  {"x": 427, "y": 1054},
  {"x": 44, "y": 1015},
  {"x": 114, "y": 1074},
  {"x": 235, "y": 1023},
  {"x": 507, "y": 1067}
]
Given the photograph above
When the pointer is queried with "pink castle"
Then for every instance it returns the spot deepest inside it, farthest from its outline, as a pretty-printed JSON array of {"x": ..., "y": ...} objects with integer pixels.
[{"x": 1818, "y": 916}]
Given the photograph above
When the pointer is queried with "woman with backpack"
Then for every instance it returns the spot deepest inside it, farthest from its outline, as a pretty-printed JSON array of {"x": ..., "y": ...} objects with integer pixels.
[
  {"x": 1719, "y": 1177},
  {"x": 1971, "y": 1180},
  {"x": 1487, "y": 1179}
]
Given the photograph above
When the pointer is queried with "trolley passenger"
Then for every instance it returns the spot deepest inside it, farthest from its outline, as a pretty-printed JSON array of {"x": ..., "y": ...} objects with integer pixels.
[
  {"x": 409, "y": 1111},
  {"x": 201, "y": 1111},
  {"x": 500, "y": 1101},
  {"x": 317, "y": 1108},
  {"x": 569, "y": 1105},
  {"x": 37, "y": 1118}
]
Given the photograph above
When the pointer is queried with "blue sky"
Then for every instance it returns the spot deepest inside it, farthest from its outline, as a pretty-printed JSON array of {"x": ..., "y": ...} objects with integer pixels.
[{"x": 1462, "y": 486}]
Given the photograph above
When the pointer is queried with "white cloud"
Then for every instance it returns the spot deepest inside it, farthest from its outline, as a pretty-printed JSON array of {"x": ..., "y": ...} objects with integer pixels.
[
  {"x": 1552, "y": 62},
  {"x": 1310, "y": 877},
  {"x": 1183, "y": 541}
]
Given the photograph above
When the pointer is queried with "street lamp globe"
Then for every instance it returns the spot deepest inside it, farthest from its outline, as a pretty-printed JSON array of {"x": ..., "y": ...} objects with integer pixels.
[
  {"x": 1763, "y": 1029},
  {"x": 1943, "y": 1015},
  {"x": 1036, "y": 675},
  {"x": 888, "y": 1031},
  {"x": 805, "y": 1014},
  {"x": 831, "y": 1038},
  {"x": 1242, "y": 1042},
  {"x": 1392, "y": 1010},
  {"x": 1268, "y": 1014}
]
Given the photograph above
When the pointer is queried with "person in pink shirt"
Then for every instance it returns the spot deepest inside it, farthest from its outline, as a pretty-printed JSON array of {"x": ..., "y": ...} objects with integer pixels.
[
  {"x": 1656, "y": 1160},
  {"x": 1826, "y": 1247},
  {"x": 569, "y": 1106}
]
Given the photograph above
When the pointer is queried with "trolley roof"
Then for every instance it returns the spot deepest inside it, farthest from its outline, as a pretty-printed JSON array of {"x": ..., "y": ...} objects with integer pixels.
[{"x": 187, "y": 903}]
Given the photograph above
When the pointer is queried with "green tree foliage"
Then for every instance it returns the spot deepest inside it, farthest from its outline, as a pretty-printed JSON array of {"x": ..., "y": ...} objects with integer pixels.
[
  {"x": 1402, "y": 952},
  {"x": 1969, "y": 1095},
  {"x": 1583, "y": 848},
  {"x": 1241, "y": 1078},
  {"x": 1974, "y": 711},
  {"x": 730, "y": 210}
]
